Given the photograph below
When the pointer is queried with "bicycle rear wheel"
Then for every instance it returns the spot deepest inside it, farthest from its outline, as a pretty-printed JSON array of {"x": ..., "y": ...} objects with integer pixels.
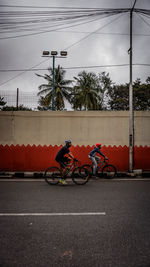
[
  {"x": 109, "y": 171},
  {"x": 80, "y": 176},
  {"x": 52, "y": 175}
]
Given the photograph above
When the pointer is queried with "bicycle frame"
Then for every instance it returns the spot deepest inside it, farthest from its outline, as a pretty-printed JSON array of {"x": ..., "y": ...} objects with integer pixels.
[
  {"x": 70, "y": 168},
  {"x": 100, "y": 165}
]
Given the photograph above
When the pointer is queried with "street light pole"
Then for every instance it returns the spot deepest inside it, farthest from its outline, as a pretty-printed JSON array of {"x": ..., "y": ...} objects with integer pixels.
[
  {"x": 17, "y": 100},
  {"x": 54, "y": 54}
]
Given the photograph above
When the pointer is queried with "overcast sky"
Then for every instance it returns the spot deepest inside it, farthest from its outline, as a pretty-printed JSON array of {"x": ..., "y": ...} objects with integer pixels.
[{"x": 96, "y": 50}]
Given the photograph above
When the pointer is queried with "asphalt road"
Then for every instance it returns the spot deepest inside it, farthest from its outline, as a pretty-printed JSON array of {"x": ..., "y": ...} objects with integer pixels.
[{"x": 116, "y": 233}]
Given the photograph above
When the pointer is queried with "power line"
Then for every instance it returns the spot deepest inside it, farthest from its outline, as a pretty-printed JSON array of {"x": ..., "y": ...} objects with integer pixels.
[
  {"x": 144, "y": 20},
  {"x": 27, "y": 17},
  {"x": 134, "y": 5},
  {"x": 100, "y": 28},
  {"x": 36, "y": 33},
  {"x": 105, "y": 33},
  {"x": 67, "y": 48},
  {"x": 107, "y": 12},
  {"x": 69, "y": 68},
  {"x": 30, "y": 19},
  {"x": 78, "y": 32},
  {"x": 107, "y": 66},
  {"x": 77, "y": 67},
  {"x": 46, "y": 31},
  {"x": 46, "y": 7},
  {"x": 22, "y": 73},
  {"x": 143, "y": 11},
  {"x": 64, "y": 8}
]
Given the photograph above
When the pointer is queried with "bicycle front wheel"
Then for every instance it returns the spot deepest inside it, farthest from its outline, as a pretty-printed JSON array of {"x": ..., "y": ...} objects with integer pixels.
[
  {"x": 52, "y": 175},
  {"x": 109, "y": 171},
  {"x": 80, "y": 176}
]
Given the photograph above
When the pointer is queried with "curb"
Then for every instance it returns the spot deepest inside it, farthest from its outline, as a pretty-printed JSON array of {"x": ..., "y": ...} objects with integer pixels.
[
  {"x": 21, "y": 175},
  {"x": 37, "y": 175}
]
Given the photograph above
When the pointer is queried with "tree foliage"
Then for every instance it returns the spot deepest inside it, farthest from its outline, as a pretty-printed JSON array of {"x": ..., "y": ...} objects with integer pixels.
[
  {"x": 141, "y": 99},
  {"x": 105, "y": 85},
  {"x": 92, "y": 92},
  {"x": 61, "y": 88},
  {"x": 119, "y": 96},
  {"x": 2, "y": 103},
  {"x": 86, "y": 92},
  {"x": 12, "y": 108}
]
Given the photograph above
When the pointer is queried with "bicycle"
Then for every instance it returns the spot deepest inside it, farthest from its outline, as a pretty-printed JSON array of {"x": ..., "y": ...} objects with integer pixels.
[
  {"x": 103, "y": 169},
  {"x": 79, "y": 175}
]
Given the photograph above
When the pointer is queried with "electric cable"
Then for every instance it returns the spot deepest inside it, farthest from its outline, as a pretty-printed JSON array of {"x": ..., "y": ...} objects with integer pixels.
[
  {"x": 143, "y": 20},
  {"x": 77, "y": 67},
  {"x": 22, "y": 73},
  {"x": 107, "y": 12},
  {"x": 85, "y": 37}
]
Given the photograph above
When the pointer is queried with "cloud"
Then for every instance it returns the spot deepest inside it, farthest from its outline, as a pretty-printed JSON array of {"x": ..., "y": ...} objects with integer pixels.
[{"x": 25, "y": 52}]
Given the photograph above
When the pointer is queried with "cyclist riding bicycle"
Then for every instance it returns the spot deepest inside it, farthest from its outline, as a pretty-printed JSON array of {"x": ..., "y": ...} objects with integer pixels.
[
  {"x": 95, "y": 159},
  {"x": 62, "y": 160}
]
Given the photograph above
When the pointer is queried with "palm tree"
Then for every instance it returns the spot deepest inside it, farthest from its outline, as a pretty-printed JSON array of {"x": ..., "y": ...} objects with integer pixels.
[
  {"x": 61, "y": 87},
  {"x": 86, "y": 92}
]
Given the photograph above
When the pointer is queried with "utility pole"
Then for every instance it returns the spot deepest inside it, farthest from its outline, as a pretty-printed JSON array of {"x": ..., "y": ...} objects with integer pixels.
[{"x": 131, "y": 116}]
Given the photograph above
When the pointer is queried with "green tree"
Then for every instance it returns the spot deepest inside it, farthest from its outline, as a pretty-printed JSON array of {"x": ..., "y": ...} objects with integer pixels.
[
  {"x": 62, "y": 90},
  {"x": 141, "y": 95},
  {"x": 12, "y": 108},
  {"x": 2, "y": 102},
  {"x": 86, "y": 92},
  {"x": 119, "y": 96},
  {"x": 105, "y": 85},
  {"x": 148, "y": 80}
]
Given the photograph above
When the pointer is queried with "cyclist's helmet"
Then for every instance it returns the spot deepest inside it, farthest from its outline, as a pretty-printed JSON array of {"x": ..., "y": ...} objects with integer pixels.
[
  {"x": 98, "y": 145},
  {"x": 68, "y": 143}
]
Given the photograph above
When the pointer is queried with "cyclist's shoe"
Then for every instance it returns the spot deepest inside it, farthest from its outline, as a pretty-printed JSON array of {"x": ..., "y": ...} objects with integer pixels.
[{"x": 62, "y": 181}]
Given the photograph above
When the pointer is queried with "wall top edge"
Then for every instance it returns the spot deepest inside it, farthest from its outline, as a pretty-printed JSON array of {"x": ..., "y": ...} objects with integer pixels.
[
  {"x": 75, "y": 146},
  {"x": 73, "y": 113}
]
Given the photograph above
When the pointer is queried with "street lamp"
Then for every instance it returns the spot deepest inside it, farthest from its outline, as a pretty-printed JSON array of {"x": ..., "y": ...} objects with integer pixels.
[
  {"x": 63, "y": 53},
  {"x": 54, "y": 54}
]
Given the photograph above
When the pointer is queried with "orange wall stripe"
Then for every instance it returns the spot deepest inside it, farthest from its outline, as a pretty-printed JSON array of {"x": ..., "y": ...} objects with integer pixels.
[{"x": 38, "y": 158}]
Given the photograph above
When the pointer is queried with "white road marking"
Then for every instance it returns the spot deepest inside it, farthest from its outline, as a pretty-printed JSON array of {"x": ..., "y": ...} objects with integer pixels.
[{"x": 55, "y": 214}]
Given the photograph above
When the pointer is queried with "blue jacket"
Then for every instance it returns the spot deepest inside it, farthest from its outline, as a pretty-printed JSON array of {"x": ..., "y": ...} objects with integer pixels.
[{"x": 94, "y": 151}]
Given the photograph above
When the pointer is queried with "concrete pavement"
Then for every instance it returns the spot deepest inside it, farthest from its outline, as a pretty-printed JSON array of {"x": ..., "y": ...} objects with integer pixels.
[{"x": 119, "y": 238}]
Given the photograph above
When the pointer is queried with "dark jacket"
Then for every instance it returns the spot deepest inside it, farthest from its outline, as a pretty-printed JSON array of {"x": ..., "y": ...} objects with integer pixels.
[{"x": 62, "y": 152}]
